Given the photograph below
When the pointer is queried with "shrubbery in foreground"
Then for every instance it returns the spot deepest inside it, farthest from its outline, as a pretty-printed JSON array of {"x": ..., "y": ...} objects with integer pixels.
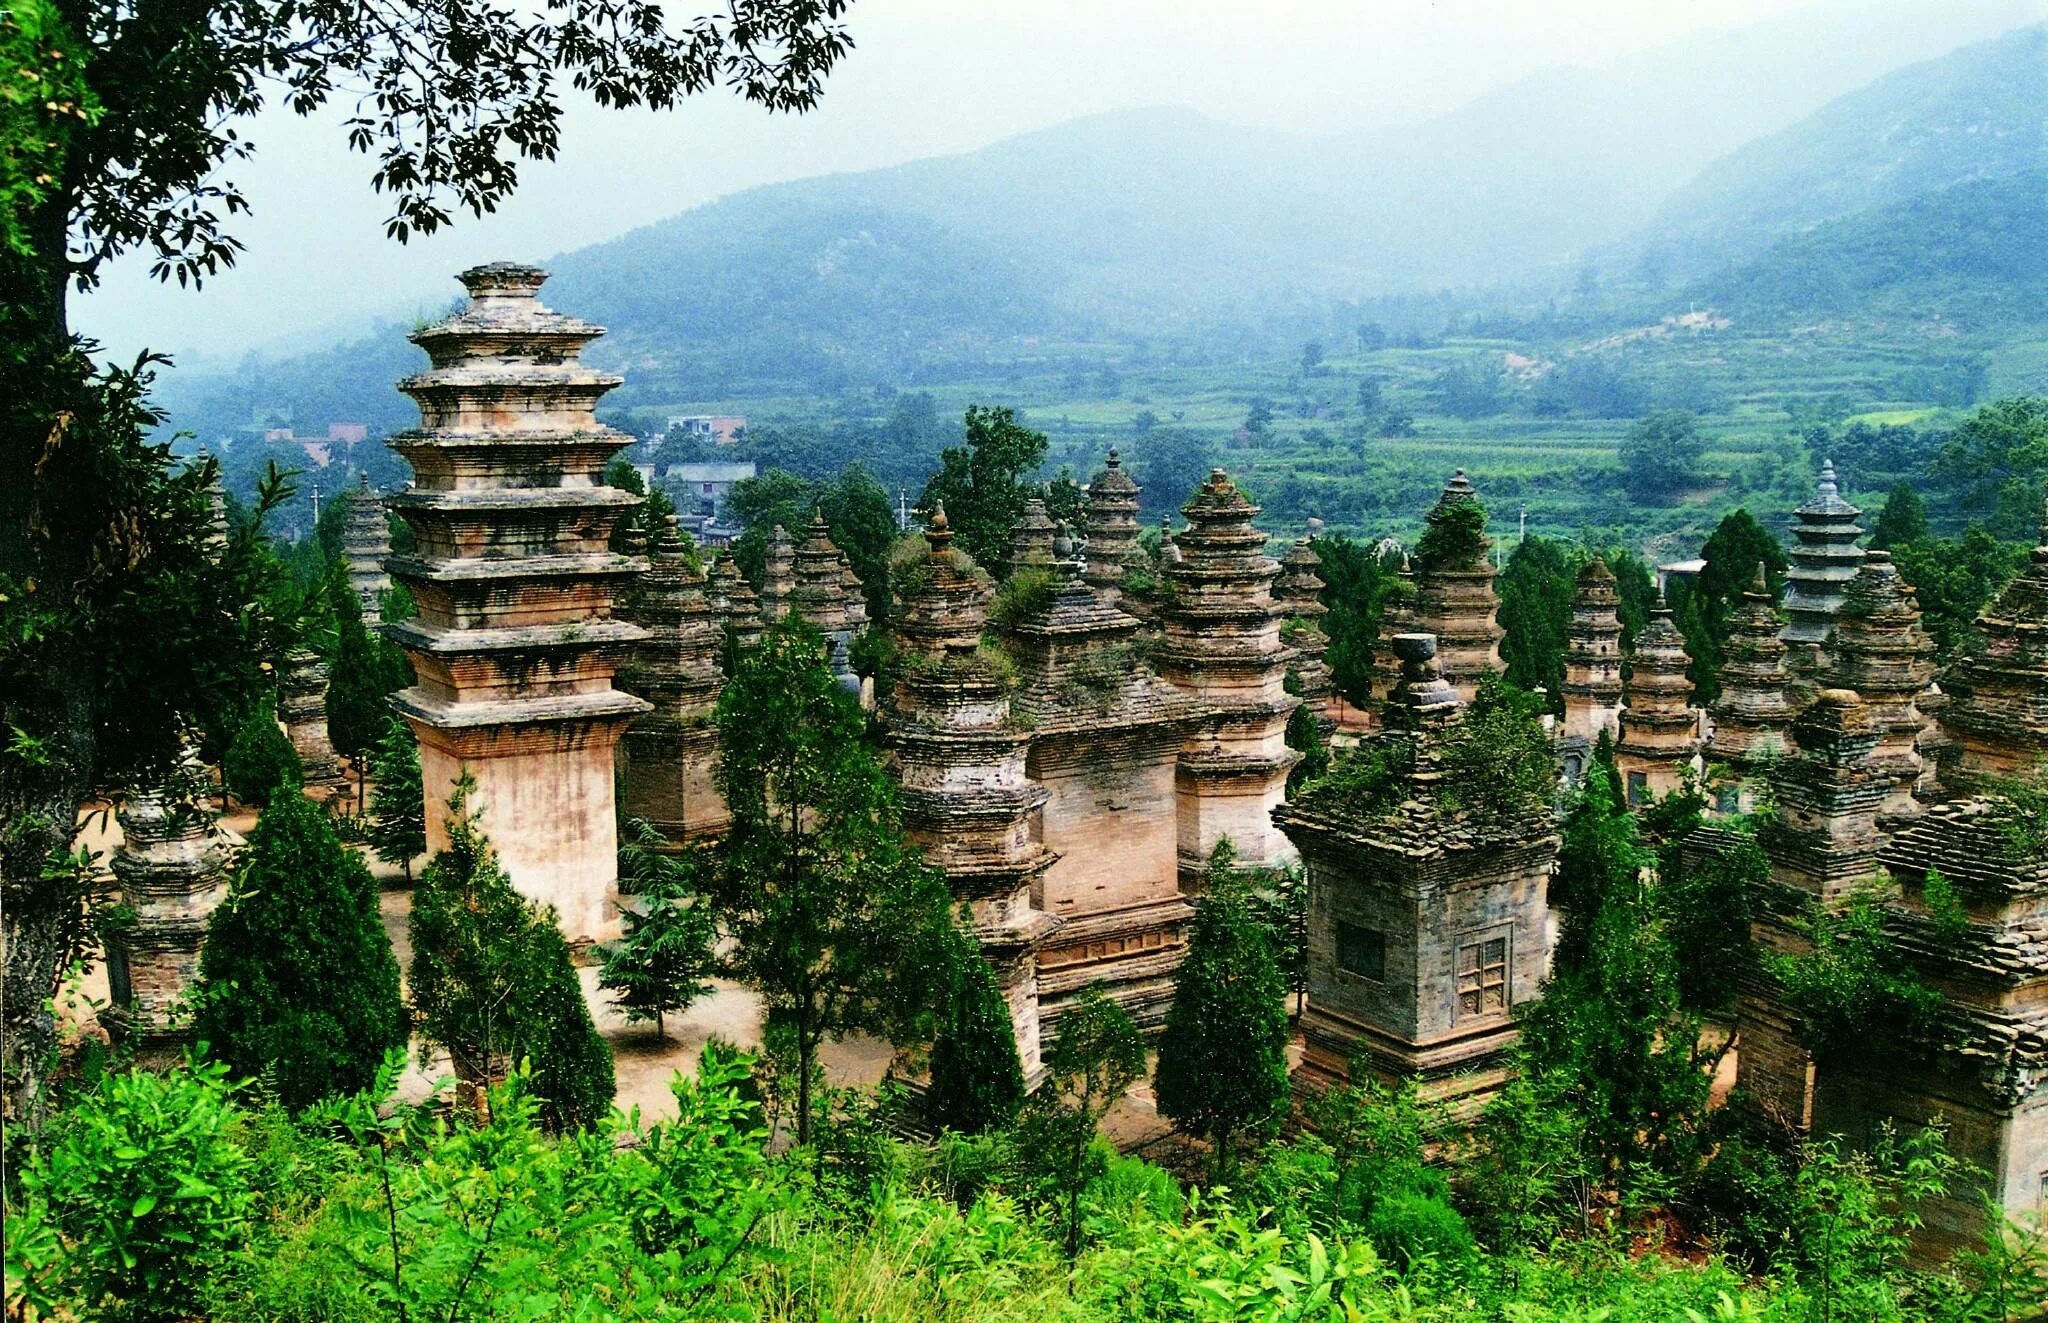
[{"x": 161, "y": 1197}]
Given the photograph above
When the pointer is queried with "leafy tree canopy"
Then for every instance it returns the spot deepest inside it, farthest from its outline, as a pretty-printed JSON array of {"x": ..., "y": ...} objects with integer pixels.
[{"x": 982, "y": 483}]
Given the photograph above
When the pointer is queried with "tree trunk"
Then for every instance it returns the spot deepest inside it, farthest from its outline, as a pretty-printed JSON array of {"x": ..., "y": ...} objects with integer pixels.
[
  {"x": 803, "y": 1081},
  {"x": 40, "y": 912}
]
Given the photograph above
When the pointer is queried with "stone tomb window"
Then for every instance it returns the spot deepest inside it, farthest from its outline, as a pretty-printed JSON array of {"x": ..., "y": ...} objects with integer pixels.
[
  {"x": 1483, "y": 975},
  {"x": 1362, "y": 951},
  {"x": 1638, "y": 787}
]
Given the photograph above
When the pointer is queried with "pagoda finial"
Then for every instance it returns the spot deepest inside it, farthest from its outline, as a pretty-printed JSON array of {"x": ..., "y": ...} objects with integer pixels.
[
  {"x": 1827, "y": 486},
  {"x": 938, "y": 531}
]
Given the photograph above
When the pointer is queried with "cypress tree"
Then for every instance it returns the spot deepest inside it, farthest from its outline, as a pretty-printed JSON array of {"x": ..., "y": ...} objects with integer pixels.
[
  {"x": 1223, "y": 1060},
  {"x": 364, "y": 671},
  {"x": 398, "y": 810},
  {"x": 298, "y": 983},
  {"x": 1093, "y": 1060},
  {"x": 1903, "y": 519},
  {"x": 493, "y": 982},
  {"x": 660, "y": 965},
  {"x": 977, "y": 1077},
  {"x": 261, "y": 758}
]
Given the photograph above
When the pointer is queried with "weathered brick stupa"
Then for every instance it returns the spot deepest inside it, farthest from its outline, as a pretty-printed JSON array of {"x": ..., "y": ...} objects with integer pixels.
[
  {"x": 365, "y": 542},
  {"x": 1986, "y": 1072},
  {"x": 1659, "y": 726},
  {"x": 1107, "y": 740},
  {"x": 1754, "y": 711},
  {"x": 172, "y": 866},
  {"x": 1454, "y": 597},
  {"x": 1824, "y": 558},
  {"x": 1428, "y": 924},
  {"x": 735, "y": 602},
  {"x": 1882, "y": 653},
  {"x": 302, "y": 702},
  {"x": 968, "y": 801},
  {"x": 1222, "y": 648},
  {"x": 1299, "y": 591},
  {"x": 1997, "y": 699},
  {"x": 668, "y": 753},
  {"x": 515, "y": 644},
  {"x": 1822, "y": 847},
  {"x": 1592, "y": 668},
  {"x": 1397, "y": 616},
  {"x": 1112, "y": 529},
  {"x": 822, "y": 595}
]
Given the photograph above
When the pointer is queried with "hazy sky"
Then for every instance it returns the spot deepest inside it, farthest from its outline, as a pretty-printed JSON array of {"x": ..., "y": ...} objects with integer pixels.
[{"x": 928, "y": 77}]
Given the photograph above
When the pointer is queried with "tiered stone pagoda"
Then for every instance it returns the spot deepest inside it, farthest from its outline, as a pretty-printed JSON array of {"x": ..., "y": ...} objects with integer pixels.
[
  {"x": 1299, "y": 591},
  {"x": 1659, "y": 726},
  {"x": 778, "y": 576},
  {"x": 1112, "y": 529},
  {"x": 1222, "y": 648},
  {"x": 1455, "y": 599},
  {"x": 365, "y": 542},
  {"x": 1397, "y": 616},
  {"x": 1032, "y": 538},
  {"x": 1997, "y": 698},
  {"x": 1882, "y": 653},
  {"x": 172, "y": 867},
  {"x": 1107, "y": 739},
  {"x": 668, "y": 754},
  {"x": 302, "y": 702},
  {"x": 1823, "y": 559},
  {"x": 515, "y": 645},
  {"x": 1823, "y": 846},
  {"x": 968, "y": 800},
  {"x": 1427, "y": 925},
  {"x": 820, "y": 595},
  {"x": 734, "y": 601},
  {"x": 1755, "y": 710},
  {"x": 1592, "y": 668},
  {"x": 1987, "y": 1075}
]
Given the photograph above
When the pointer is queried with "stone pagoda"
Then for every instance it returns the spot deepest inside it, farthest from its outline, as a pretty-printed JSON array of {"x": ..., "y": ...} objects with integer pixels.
[
  {"x": 1755, "y": 710},
  {"x": 1823, "y": 559},
  {"x": 820, "y": 592},
  {"x": 1032, "y": 538},
  {"x": 1397, "y": 616},
  {"x": 1592, "y": 668},
  {"x": 1823, "y": 847},
  {"x": 1299, "y": 591},
  {"x": 515, "y": 644},
  {"x": 1455, "y": 599},
  {"x": 1428, "y": 925},
  {"x": 302, "y": 702},
  {"x": 1882, "y": 653},
  {"x": 1997, "y": 708},
  {"x": 1107, "y": 744},
  {"x": 968, "y": 802},
  {"x": 1112, "y": 529},
  {"x": 1987, "y": 1074},
  {"x": 734, "y": 601},
  {"x": 668, "y": 754},
  {"x": 1222, "y": 648},
  {"x": 1660, "y": 728},
  {"x": 172, "y": 867},
  {"x": 778, "y": 576},
  {"x": 365, "y": 542}
]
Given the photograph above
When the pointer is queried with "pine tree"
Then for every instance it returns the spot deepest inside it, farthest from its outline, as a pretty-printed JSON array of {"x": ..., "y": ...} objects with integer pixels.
[
  {"x": 1222, "y": 1067},
  {"x": 977, "y": 1078},
  {"x": 836, "y": 921},
  {"x": 261, "y": 759},
  {"x": 298, "y": 983},
  {"x": 1536, "y": 611},
  {"x": 1705, "y": 609},
  {"x": 493, "y": 983},
  {"x": 363, "y": 673},
  {"x": 1096, "y": 1055},
  {"x": 398, "y": 811},
  {"x": 661, "y": 963}
]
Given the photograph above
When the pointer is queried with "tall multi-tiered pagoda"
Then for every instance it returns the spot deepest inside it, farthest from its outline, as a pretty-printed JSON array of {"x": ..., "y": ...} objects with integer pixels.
[
  {"x": 1112, "y": 528},
  {"x": 1754, "y": 710},
  {"x": 1455, "y": 599},
  {"x": 1883, "y": 654},
  {"x": 1659, "y": 726},
  {"x": 1824, "y": 558},
  {"x": 365, "y": 542},
  {"x": 1222, "y": 647},
  {"x": 515, "y": 645},
  {"x": 668, "y": 754},
  {"x": 1997, "y": 698},
  {"x": 1592, "y": 662}
]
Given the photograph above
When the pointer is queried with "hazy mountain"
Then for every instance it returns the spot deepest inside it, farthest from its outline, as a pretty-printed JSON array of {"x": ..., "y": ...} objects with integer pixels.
[
  {"x": 1972, "y": 257},
  {"x": 1170, "y": 226},
  {"x": 1978, "y": 113}
]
